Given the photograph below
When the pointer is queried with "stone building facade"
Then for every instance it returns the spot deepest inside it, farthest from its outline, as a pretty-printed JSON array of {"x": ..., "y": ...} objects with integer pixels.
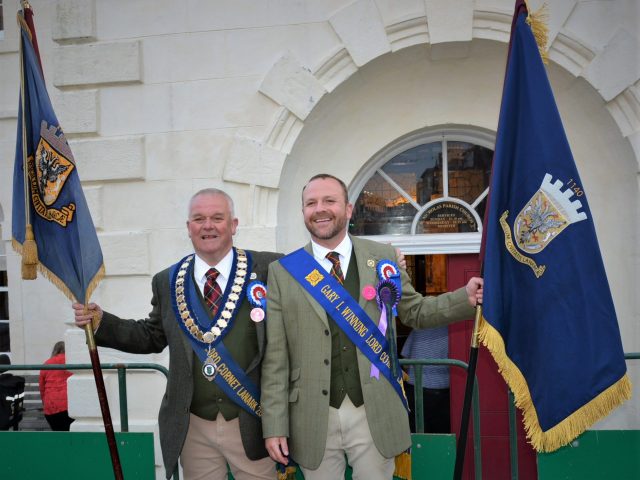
[{"x": 161, "y": 98}]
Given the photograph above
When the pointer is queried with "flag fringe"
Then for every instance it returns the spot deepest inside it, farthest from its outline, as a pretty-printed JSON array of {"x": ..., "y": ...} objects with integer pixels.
[
  {"x": 403, "y": 466},
  {"x": 539, "y": 23},
  {"x": 569, "y": 428},
  {"x": 53, "y": 278}
]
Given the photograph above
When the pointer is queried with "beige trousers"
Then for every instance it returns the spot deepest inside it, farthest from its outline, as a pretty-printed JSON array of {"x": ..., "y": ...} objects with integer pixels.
[
  {"x": 349, "y": 435},
  {"x": 211, "y": 445}
]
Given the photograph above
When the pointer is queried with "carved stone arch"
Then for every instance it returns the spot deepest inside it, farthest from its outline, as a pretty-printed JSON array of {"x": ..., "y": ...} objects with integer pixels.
[{"x": 368, "y": 33}]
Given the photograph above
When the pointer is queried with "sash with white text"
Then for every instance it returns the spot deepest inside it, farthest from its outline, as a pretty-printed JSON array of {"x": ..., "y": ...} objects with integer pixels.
[
  {"x": 344, "y": 310},
  {"x": 233, "y": 381}
]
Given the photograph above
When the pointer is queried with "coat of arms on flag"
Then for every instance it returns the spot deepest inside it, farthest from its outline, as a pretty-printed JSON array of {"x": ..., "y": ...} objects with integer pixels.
[{"x": 547, "y": 213}]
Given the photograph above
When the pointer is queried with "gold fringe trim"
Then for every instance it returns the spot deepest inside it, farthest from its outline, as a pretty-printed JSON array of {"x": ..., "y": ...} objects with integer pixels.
[
  {"x": 403, "y": 466},
  {"x": 539, "y": 23},
  {"x": 53, "y": 278},
  {"x": 569, "y": 428}
]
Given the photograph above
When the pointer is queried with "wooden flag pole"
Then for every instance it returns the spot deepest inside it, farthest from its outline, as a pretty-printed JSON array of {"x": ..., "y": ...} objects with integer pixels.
[
  {"x": 102, "y": 397},
  {"x": 29, "y": 246},
  {"x": 468, "y": 394}
]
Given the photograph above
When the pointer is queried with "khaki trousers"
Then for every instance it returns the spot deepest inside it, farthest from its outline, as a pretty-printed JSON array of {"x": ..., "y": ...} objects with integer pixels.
[
  {"x": 211, "y": 445},
  {"x": 349, "y": 435}
]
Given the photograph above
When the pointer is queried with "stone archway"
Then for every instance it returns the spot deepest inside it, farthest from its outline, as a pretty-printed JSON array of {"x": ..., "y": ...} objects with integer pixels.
[{"x": 437, "y": 35}]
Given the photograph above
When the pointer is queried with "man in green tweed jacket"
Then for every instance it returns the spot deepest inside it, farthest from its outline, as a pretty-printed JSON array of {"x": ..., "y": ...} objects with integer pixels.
[{"x": 320, "y": 399}]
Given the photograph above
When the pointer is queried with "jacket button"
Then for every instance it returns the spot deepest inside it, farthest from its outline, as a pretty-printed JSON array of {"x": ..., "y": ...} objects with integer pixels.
[
  {"x": 324, "y": 392},
  {"x": 326, "y": 362},
  {"x": 326, "y": 332}
]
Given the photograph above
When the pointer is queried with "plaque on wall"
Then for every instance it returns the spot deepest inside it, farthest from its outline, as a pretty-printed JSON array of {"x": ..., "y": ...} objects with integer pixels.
[{"x": 447, "y": 217}]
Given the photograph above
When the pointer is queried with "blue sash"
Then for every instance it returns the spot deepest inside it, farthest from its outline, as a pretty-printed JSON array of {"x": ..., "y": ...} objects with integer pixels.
[
  {"x": 345, "y": 311},
  {"x": 233, "y": 381}
]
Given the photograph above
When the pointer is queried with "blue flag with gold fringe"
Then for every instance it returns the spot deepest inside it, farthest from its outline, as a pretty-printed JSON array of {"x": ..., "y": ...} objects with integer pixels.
[
  {"x": 548, "y": 315},
  {"x": 51, "y": 224}
]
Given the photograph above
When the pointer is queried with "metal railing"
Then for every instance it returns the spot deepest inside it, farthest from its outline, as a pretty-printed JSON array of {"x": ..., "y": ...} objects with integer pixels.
[
  {"x": 418, "y": 364},
  {"x": 122, "y": 383}
]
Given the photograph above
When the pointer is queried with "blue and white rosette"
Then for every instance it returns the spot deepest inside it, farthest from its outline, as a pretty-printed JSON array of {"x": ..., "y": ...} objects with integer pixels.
[
  {"x": 387, "y": 293},
  {"x": 257, "y": 296},
  {"x": 388, "y": 270}
]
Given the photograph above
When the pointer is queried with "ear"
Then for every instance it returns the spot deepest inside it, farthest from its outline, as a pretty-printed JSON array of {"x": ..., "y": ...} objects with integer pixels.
[
  {"x": 349, "y": 210},
  {"x": 234, "y": 226}
]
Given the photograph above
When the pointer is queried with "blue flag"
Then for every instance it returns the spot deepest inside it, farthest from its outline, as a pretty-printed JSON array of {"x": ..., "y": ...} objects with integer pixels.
[
  {"x": 47, "y": 195},
  {"x": 548, "y": 315}
]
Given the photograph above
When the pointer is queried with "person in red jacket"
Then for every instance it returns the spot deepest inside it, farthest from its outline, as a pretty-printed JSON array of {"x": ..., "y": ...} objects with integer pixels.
[{"x": 53, "y": 391}]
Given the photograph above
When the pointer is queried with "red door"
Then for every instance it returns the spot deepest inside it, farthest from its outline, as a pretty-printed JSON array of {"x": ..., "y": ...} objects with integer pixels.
[{"x": 494, "y": 415}]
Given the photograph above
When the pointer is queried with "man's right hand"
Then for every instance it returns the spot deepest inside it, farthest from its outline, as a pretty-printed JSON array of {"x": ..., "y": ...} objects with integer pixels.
[
  {"x": 278, "y": 449},
  {"x": 93, "y": 313}
]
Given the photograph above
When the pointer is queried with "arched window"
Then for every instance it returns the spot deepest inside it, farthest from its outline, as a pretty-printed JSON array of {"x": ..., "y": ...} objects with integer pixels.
[{"x": 433, "y": 182}]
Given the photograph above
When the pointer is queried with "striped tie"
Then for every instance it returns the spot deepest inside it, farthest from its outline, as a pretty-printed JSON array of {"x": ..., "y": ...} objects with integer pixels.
[
  {"x": 336, "y": 270},
  {"x": 212, "y": 291}
]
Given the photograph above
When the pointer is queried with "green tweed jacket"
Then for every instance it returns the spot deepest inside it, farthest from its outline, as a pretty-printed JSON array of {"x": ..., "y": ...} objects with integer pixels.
[
  {"x": 153, "y": 334},
  {"x": 295, "y": 377}
]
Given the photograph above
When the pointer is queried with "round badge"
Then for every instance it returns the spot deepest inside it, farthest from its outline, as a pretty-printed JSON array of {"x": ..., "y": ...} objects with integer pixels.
[
  {"x": 208, "y": 369},
  {"x": 369, "y": 292},
  {"x": 257, "y": 314}
]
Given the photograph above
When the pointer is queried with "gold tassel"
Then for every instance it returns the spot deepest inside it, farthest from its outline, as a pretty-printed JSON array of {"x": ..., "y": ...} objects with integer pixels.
[
  {"x": 539, "y": 23},
  {"x": 403, "y": 466},
  {"x": 289, "y": 473},
  {"x": 29, "y": 255}
]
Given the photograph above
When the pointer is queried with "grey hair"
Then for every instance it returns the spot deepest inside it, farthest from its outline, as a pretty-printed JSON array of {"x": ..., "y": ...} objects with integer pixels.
[{"x": 213, "y": 191}]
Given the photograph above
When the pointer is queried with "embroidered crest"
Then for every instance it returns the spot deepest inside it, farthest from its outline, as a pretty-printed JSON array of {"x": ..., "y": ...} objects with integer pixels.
[
  {"x": 48, "y": 173},
  {"x": 549, "y": 211}
]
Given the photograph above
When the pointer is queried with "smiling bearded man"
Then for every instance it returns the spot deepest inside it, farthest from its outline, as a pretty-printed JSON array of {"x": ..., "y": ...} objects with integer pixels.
[
  {"x": 209, "y": 309},
  {"x": 319, "y": 373}
]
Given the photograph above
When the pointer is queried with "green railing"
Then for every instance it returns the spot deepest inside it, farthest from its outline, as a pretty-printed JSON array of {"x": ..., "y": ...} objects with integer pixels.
[
  {"x": 122, "y": 383},
  {"x": 418, "y": 364}
]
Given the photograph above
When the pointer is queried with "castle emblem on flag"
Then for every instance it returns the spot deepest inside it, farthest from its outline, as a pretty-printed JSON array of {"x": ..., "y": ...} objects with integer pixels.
[
  {"x": 549, "y": 211},
  {"x": 547, "y": 214},
  {"x": 48, "y": 173}
]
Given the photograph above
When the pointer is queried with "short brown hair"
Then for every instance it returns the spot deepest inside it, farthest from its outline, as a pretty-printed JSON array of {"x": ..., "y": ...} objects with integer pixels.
[{"x": 324, "y": 176}]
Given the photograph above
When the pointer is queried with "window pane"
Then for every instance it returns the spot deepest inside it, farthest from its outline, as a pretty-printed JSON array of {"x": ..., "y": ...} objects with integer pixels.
[
  {"x": 3, "y": 278},
  {"x": 418, "y": 171},
  {"x": 4, "y": 306},
  {"x": 469, "y": 170},
  {"x": 380, "y": 209},
  {"x": 4, "y": 337}
]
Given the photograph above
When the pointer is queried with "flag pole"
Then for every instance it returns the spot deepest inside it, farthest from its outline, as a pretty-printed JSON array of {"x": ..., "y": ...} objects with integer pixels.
[
  {"x": 102, "y": 397},
  {"x": 473, "y": 350},
  {"x": 468, "y": 394},
  {"x": 29, "y": 246}
]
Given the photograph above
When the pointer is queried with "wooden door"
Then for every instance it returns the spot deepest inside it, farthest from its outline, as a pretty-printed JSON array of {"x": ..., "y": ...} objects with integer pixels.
[{"x": 494, "y": 415}]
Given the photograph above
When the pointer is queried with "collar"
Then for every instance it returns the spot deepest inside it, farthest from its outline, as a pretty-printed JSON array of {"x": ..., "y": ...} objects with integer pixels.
[
  {"x": 200, "y": 268},
  {"x": 344, "y": 249}
]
